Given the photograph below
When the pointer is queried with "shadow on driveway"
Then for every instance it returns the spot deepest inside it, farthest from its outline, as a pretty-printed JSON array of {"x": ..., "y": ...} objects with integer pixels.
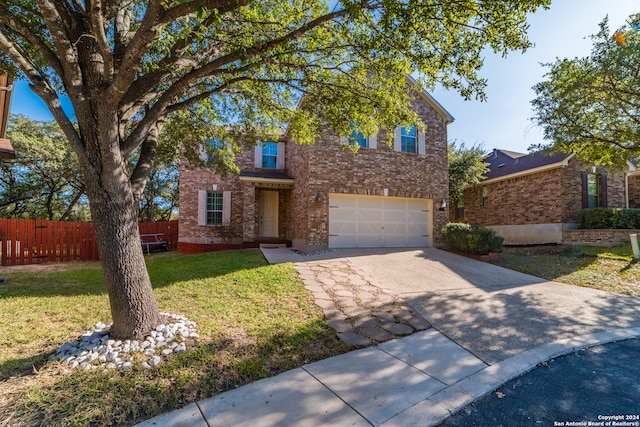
[{"x": 491, "y": 311}]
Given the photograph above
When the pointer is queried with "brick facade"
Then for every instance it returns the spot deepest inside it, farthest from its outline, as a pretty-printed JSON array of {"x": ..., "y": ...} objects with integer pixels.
[
  {"x": 548, "y": 197},
  {"x": 593, "y": 237},
  {"x": 634, "y": 191},
  {"x": 318, "y": 170}
]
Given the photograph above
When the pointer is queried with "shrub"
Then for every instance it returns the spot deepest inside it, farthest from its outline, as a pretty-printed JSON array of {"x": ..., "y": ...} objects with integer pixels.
[
  {"x": 596, "y": 218},
  {"x": 626, "y": 219},
  {"x": 471, "y": 239},
  {"x": 605, "y": 218}
]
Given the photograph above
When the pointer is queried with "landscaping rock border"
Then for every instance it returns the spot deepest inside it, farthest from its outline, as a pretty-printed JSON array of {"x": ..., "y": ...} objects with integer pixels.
[{"x": 96, "y": 350}]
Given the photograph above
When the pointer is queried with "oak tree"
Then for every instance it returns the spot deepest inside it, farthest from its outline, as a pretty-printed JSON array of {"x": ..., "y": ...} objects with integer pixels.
[
  {"x": 127, "y": 65},
  {"x": 43, "y": 182},
  {"x": 591, "y": 106}
]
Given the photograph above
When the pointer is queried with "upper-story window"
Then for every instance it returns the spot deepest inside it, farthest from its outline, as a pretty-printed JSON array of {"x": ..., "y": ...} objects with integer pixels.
[
  {"x": 409, "y": 140},
  {"x": 269, "y": 155},
  {"x": 358, "y": 138},
  {"x": 214, "y": 144}
]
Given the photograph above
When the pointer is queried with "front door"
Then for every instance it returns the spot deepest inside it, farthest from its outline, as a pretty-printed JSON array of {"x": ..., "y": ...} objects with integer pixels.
[{"x": 269, "y": 213}]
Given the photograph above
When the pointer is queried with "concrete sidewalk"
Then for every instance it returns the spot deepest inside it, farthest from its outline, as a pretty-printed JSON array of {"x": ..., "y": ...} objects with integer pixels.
[
  {"x": 489, "y": 326},
  {"x": 418, "y": 380}
]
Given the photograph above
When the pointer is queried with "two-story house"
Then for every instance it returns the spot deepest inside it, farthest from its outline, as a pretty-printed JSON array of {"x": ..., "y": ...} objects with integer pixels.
[{"x": 323, "y": 195}]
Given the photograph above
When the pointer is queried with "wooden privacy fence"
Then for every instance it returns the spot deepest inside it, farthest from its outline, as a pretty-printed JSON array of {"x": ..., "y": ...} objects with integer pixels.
[{"x": 28, "y": 241}]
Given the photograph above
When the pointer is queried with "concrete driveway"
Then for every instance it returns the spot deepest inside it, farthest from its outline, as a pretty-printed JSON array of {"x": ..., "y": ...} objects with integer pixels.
[{"x": 491, "y": 311}]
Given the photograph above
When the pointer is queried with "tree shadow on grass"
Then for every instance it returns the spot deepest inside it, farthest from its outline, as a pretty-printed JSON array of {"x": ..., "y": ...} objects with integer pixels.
[
  {"x": 164, "y": 271},
  {"x": 216, "y": 365}
]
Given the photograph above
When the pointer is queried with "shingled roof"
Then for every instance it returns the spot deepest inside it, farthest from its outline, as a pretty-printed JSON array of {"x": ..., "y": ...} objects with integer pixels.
[{"x": 503, "y": 163}]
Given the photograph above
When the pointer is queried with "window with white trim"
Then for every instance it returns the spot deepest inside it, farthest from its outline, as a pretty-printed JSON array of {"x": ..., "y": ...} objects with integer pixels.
[
  {"x": 358, "y": 138},
  {"x": 269, "y": 155},
  {"x": 214, "y": 207},
  {"x": 409, "y": 139},
  {"x": 215, "y": 144}
]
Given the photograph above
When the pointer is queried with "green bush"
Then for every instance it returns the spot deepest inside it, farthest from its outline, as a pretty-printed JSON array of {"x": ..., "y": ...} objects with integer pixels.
[
  {"x": 471, "y": 239},
  {"x": 605, "y": 218}
]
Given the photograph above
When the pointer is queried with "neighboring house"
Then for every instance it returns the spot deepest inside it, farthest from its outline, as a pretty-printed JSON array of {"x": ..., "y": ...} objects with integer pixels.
[
  {"x": 6, "y": 88},
  {"x": 323, "y": 195},
  {"x": 531, "y": 198}
]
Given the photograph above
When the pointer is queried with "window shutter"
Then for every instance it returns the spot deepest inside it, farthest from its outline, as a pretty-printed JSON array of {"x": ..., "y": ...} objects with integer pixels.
[
  {"x": 422, "y": 148},
  {"x": 258, "y": 156},
  {"x": 603, "y": 190},
  {"x": 585, "y": 191},
  {"x": 280, "y": 156},
  {"x": 373, "y": 141},
  {"x": 202, "y": 207},
  {"x": 397, "y": 140},
  {"x": 226, "y": 207}
]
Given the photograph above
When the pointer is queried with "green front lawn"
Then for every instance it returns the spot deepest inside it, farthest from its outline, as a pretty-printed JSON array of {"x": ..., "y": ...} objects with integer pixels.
[
  {"x": 608, "y": 269},
  {"x": 255, "y": 320}
]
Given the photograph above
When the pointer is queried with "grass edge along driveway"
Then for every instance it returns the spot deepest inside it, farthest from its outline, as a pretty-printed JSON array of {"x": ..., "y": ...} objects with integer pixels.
[{"x": 255, "y": 320}]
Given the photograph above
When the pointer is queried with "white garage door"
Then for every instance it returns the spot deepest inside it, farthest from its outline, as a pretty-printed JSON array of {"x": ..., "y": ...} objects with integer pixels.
[{"x": 375, "y": 222}]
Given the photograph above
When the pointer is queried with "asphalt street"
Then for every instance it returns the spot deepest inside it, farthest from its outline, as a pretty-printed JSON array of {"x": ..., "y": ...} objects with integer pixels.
[{"x": 598, "y": 386}]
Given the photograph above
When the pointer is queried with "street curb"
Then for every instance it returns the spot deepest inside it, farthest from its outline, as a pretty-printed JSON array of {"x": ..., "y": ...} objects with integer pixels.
[{"x": 442, "y": 405}]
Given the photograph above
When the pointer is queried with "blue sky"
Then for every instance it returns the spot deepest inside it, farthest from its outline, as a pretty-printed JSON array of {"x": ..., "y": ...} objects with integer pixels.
[
  {"x": 560, "y": 32},
  {"x": 503, "y": 121}
]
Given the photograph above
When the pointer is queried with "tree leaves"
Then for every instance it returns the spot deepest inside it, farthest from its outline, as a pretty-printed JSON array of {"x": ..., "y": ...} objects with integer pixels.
[
  {"x": 466, "y": 168},
  {"x": 590, "y": 106}
]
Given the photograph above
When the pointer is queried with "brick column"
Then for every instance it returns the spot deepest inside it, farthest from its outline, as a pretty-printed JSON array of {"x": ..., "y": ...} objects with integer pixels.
[{"x": 249, "y": 213}]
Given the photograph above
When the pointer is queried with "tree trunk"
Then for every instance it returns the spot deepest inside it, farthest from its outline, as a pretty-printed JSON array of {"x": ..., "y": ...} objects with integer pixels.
[
  {"x": 133, "y": 305},
  {"x": 114, "y": 211}
]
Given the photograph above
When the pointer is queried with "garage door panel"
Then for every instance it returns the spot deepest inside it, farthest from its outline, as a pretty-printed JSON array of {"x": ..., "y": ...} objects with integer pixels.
[{"x": 370, "y": 221}]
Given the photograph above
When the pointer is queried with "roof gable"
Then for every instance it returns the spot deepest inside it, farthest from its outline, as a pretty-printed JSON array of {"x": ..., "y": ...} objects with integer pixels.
[
  {"x": 431, "y": 101},
  {"x": 503, "y": 163}
]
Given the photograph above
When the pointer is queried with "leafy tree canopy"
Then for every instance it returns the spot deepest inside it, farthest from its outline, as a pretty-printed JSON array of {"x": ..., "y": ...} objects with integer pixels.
[
  {"x": 466, "y": 168},
  {"x": 591, "y": 106},
  {"x": 44, "y": 181},
  {"x": 230, "y": 68}
]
